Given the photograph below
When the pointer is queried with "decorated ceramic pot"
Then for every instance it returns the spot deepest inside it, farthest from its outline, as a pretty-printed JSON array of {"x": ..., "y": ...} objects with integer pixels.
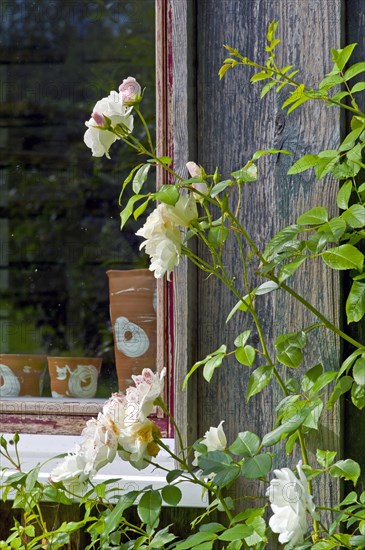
[
  {"x": 74, "y": 376},
  {"x": 132, "y": 297},
  {"x": 22, "y": 374}
]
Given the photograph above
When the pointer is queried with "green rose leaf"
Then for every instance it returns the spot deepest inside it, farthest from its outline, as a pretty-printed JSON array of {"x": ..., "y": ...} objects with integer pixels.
[
  {"x": 308, "y": 161},
  {"x": 140, "y": 177},
  {"x": 125, "y": 501},
  {"x": 354, "y": 70},
  {"x": 257, "y": 467},
  {"x": 358, "y": 396},
  {"x": 354, "y": 216},
  {"x": 227, "y": 476},
  {"x": 322, "y": 381},
  {"x": 214, "y": 462},
  {"x": 211, "y": 365},
  {"x": 315, "y": 216},
  {"x": 246, "y": 444},
  {"x": 311, "y": 376},
  {"x": 245, "y": 355},
  {"x": 171, "y": 494},
  {"x": 280, "y": 240},
  {"x": 238, "y": 532},
  {"x": 347, "y": 469},
  {"x": 149, "y": 508},
  {"x": 355, "y": 303},
  {"x": 345, "y": 256},
  {"x": 128, "y": 210},
  {"x": 289, "y": 269},
  {"x": 169, "y": 194},
  {"x": 344, "y": 194},
  {"x": 342, "y": 386},
  {"x": 221, "y": 186},
  {"x": 289, "y": 348},
  {"x": 259, "y": 379},
  {"x": 332, "y": 230},
  {"x": 194, "y": 540},
  {"x": 162, "y": 538},
  {"x": 358, "y": 371},
  {"x": 325, "y": 458},
  {"x": 286, "y": 428},
  {"x": 174, "y": 474},
  {"x": 242, "y": 338}
]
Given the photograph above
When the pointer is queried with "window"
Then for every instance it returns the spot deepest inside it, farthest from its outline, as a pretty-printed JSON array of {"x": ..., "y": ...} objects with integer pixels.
[{"x": 59, "y": 217}]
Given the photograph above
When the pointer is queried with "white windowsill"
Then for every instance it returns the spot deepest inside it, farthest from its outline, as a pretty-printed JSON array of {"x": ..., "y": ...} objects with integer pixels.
[{"x": 35, "y": 449}]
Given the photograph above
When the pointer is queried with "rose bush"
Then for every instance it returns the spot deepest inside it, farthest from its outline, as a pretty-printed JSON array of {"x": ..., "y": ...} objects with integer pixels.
[{"x": 203, "y": 207}]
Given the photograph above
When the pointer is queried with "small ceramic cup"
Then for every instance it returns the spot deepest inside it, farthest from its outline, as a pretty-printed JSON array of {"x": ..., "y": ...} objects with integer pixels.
[
  {"x": 22, "y": 374},
  {"x": 74, "y": 376}
]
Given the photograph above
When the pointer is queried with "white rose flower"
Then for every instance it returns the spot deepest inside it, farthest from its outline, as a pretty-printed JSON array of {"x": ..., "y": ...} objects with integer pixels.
[
  {"x": 214, "y": 439},
  {"x": 114, "y": 408},
  {"x": 137, "y": 442},
  {"x": 194, "y": 169},
  {"x": 290, "y": 500},
  {"x": 100, "y": 140},
  {"x": 71, "y": 472},
  {"x": 163, "y": 241},
  {"x": 183, "y": 212},
  {"x": 100, "y": 444},
  {"x": 149, "y": 386},
  {"x": 130, "y": 90}
]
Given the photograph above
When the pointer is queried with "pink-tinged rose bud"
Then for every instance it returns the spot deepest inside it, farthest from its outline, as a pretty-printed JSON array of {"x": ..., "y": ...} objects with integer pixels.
[
  {"x": 98, "y": 118},
  {"x": 194, "y": 170},
  {"x": 130, "y": 90}
]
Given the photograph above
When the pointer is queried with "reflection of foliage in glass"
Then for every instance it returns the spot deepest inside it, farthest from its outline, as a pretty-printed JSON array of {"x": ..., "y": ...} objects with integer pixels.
[{"x": 59, "y": 212}]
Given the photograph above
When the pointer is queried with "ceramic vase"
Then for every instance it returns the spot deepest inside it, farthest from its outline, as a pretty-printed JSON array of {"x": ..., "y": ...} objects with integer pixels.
[
  {"x": 74, "y": 376},
  {"x": 22, "y": 374},
  {"x": 132, "y": 296}
]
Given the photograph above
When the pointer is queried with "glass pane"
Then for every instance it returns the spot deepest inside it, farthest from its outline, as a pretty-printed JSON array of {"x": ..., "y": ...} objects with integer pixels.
[{"x": 59, "y": 213}]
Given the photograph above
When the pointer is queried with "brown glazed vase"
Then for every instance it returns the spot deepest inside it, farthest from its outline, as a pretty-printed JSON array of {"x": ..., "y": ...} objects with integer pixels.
[
  {"x": 22, "y": 374},
  {"x": 74, "y": 376},
  {"x": 132, "y": 296}
]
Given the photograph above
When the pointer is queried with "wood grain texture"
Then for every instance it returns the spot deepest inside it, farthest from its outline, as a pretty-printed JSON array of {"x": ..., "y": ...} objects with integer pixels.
[
  {"x": 232, "y": 124},
  {"x": 183, "y": 124}
]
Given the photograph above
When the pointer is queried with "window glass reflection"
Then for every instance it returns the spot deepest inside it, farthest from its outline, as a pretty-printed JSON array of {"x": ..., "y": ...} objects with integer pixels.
[{"x": 59, "y": 214}]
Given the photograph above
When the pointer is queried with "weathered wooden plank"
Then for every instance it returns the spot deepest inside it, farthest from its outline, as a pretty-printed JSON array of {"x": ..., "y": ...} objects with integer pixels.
[
  {"x": 232, "y": 124},
  {"x": 183, "y": 125}
]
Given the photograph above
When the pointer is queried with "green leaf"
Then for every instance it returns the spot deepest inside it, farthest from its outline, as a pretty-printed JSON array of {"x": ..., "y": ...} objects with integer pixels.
[
  {"x": 348, "y": 362},
  {"x": 194, "y": 540},
  {"x": 247, "y": 174},
  {"x": 214, "y": 462},
  {"x": 347, "y": 469},
  {"x": 343, "y": 385},
  {"x": 221, "y": 186},
  {"x": 344, "y": 194},
  {"x": 227, "y": 476},
  {"x": 259, "y": 379},
  {"x": 259, "y": 526},
  {"x": 325, "y": 458},
  {"x": 32, "y": 478},
  {"x": 287, "y": 270},
  {"x": 246, "y": 444},
  {"x": 355, "y": 303},
  {"x": 345, "y": 256},
  {"x": 323, "y": 380},
  {"x": 311, "y": 376},
  {"x": 221, "y": 350},
  {"x": 140, "y": 177},
  {"x": 260, "y": 153},
  {"x": 308, "y": 161},
  {"x": 289, "y": 348},
  {"x": 351, "y": 138},
  {"x": 358, "y": 396},
  {"x": 213, "y": 527},
  {"x": 171, "y": 494},
  {"x": 246, "y": 355},
  {"x": 333, "y": 230},
  {"x": 289, "y": 445},
  {"x": 238, "y": 532},
  {"x": 257, "y": 467},
  {"x": 149, "y": 507},
  {"x": 218, "y": 235},
  {"x": 266, "y": 288},
  {"x": 128, "y": 180},
  {"x": 358, "y": 371},
  {"x": 125, "y": 501},
  {"x": 315, "y": 216},
  {"x": 242, "y": 338},
  {"x": 211, "y": 365},
  {"x": 140, "y": 210},
  {"x": 286, "y": 428},
  {"x": 174, "y": 474},
  {"x": 341, "y": 57},
  {"x": 168, "y": 194},
  {"x": 359, "y": 87},
  {"x": 354, "y": 70},
  {"x": 128, "y": 210},
  {"x": 354, "y": 216},
  {"x": 162, "y": 538},
  {"x": 279, "y": 241}
]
